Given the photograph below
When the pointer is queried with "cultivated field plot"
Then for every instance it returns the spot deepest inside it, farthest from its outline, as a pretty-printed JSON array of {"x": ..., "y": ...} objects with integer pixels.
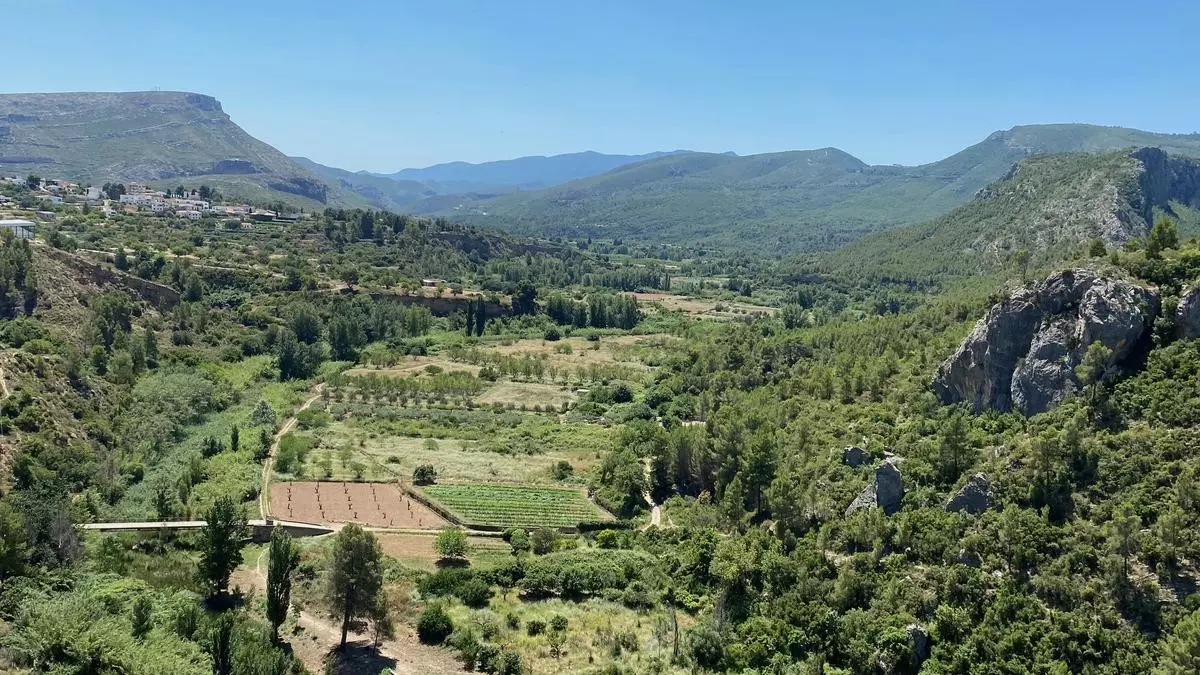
[
  {"x": 527, "y": 394},
  {"x": 479, "y": 504},
  {"x": 388, "y": 458},
  {"x": 608, "y": 350},
  {"x": 377, "y": 505}
]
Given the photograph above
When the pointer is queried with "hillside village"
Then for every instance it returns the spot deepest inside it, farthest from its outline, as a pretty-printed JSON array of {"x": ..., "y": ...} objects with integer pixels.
[{"x": 136, "y": 198}]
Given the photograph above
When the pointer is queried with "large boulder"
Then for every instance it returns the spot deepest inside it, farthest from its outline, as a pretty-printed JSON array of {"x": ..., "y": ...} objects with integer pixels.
[
  {"x": 854, "y": 456},
  {"x": 974, "y": 497},
  {"x": 886, "y": 489},
  {"x": 1024, "y": 352}
]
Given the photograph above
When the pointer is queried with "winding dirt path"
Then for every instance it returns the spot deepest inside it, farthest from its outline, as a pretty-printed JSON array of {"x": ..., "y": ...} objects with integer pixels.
[{"x": 264, "y": 494}]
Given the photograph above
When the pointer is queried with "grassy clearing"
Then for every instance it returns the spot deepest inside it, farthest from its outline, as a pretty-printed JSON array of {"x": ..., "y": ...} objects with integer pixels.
[
  {"x": 600, "y": 634},
  {"x": 385, "y": 458},
  {"x": 707, "y": 308},
  {"x": 527, "y": 394},
  {"x": 490, "y": 505}
]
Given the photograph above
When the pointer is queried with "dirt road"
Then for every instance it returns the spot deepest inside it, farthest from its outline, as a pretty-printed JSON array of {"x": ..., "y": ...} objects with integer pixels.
[{"x": 264, "y": 494}]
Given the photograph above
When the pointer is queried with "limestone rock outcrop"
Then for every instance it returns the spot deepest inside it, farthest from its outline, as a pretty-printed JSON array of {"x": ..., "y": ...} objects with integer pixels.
[
  {"x": 1024, "y": 352},
  {"x": 974, "y": 497},
  {"x": 854, "y": 456},
  {"x": 886, "y": 489},
  {"x": 1187, "y": 315}
]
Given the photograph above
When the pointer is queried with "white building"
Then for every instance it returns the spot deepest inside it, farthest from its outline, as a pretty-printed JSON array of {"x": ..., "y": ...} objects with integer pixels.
[
  {"x": 190, "y": 215},
  {"x": 93, "y": 194}
]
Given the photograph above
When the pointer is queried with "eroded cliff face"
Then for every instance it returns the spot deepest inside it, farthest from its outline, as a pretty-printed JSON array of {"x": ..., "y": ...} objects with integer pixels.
[{"x": 1022, "y": 355}]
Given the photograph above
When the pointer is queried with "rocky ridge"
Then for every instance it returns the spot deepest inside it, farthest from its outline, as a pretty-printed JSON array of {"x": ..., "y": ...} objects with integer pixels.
[{"x": 1023, "y": 354}]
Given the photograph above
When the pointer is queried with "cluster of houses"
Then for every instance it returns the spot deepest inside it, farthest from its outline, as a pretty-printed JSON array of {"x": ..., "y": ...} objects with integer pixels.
[
  {"x": 138, "y": 198},
  {"x": 60, "y": 191}
]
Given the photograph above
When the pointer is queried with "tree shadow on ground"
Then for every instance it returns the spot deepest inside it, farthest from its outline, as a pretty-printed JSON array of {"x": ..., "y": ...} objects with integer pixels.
[{"x": 358, "y": 659}]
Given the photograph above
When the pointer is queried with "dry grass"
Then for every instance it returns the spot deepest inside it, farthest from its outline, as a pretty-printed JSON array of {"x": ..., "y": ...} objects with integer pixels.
[
  {"x": 415, "y": 365},
  {"x": 702, "y": 307},
  {"x": 526, "y": 393}
]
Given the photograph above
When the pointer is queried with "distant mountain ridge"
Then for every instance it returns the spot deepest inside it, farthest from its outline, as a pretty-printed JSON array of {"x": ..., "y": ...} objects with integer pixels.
[
  {"x": 521, "y": 173},
  {"x": 788, "y": 201},
  {"x": 382, "y": 193}
]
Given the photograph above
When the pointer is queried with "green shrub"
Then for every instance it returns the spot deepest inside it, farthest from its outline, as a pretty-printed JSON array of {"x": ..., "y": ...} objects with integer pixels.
[
  {"x": 424, "y": 474},
  {"x": 434, "y": 625},
  {"x": 474, "y": 593}
]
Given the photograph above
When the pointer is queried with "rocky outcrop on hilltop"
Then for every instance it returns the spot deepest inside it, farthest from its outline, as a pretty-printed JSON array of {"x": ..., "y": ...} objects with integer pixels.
[{"x": 1022, "y": 355}]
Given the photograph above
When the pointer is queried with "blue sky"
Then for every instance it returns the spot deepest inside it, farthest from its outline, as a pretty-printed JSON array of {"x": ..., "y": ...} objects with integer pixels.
[{"x": 389, "y": 84}]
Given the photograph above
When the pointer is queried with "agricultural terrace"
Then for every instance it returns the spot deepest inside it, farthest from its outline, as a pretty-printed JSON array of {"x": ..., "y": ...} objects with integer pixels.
[
  {"x": 378, "y": 505},
  {"x": 580, "y": 360},
  {"x": 379, "y": 443},
  {"x": 483, "y": 505}
]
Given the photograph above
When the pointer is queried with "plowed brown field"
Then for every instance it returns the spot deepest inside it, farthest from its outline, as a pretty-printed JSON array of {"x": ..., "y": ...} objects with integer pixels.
[{"x": 374, "y": 504}]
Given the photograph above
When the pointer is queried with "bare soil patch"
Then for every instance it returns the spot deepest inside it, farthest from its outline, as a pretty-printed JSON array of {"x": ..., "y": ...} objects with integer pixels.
[
  {"x": 374, "y": 504},
  {"x": 418, "y": 549}
]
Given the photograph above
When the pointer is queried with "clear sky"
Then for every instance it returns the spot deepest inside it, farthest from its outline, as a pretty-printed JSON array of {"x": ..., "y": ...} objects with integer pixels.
[{"x": 392, "y": 83}]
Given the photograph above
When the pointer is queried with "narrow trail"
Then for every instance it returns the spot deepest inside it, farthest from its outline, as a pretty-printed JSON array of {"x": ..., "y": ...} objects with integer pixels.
[
  {"x": 655, "y": 509},
  {"x": 264, "y": 494}
]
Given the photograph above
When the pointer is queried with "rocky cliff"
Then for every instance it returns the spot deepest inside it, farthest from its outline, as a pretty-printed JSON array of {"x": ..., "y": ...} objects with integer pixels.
[{"x": 1023, "y": 354}]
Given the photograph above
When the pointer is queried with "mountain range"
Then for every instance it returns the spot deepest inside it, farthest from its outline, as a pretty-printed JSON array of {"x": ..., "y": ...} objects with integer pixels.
[
  {"x": 522, "y": 173},
  {"x": 780, "y": 202},
  {"x": 787, "y": 201}
]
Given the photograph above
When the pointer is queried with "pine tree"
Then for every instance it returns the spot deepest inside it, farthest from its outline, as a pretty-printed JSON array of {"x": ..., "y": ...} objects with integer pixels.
[
  {"x": 1181, "y": 651},
  {"x": 221, "y": 543},
  {"x": 355, "y": 576}
]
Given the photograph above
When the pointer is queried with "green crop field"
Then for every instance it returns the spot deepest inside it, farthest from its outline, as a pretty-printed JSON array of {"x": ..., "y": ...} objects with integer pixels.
[{"x": 514, "y": 505}]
